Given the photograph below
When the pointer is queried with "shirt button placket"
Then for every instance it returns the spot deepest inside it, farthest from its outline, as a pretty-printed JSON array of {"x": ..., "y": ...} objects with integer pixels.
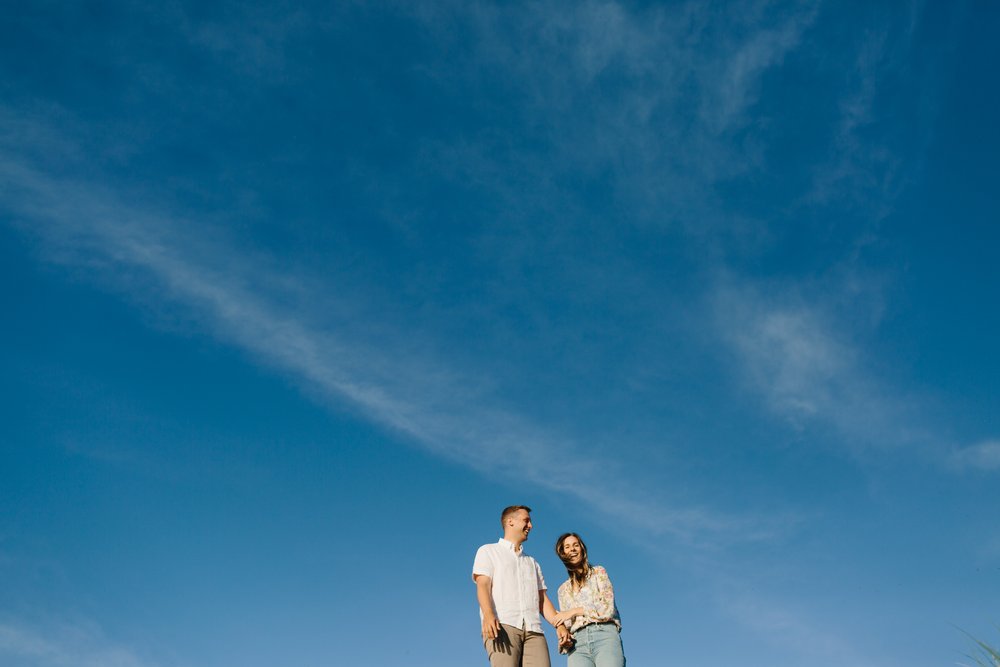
[{"x": 520, "y": 592}]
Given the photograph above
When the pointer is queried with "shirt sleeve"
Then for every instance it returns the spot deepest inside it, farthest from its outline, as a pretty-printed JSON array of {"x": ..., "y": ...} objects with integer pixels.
[
  {"x": 538, "y": 575},
  {"x": 604, "y": 595},
  {"x": 483, "y": 563}
]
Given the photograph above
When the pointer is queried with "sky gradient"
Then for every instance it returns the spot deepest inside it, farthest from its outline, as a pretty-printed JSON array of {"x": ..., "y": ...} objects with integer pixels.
[{"x": 300, "y": 295}]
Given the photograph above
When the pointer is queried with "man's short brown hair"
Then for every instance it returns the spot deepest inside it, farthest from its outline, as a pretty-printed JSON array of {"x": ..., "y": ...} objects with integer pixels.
[{"x": 507, "y": 511}]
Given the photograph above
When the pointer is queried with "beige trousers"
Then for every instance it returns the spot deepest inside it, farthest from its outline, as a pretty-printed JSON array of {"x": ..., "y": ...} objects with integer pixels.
[{"x": 514, "y": 647}]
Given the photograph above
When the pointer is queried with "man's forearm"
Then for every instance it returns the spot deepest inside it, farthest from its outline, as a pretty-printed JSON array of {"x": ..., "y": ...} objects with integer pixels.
[
  {"x": 484, "y": 594},
  {"x": 546, "y": 607}
]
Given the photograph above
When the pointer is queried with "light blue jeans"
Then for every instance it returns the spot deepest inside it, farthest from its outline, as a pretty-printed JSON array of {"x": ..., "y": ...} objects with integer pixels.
[{"x": 597, "y": 645}]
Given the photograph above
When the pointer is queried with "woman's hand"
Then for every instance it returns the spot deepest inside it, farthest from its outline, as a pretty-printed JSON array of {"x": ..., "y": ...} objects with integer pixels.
[{"x": 567, "y": 615}]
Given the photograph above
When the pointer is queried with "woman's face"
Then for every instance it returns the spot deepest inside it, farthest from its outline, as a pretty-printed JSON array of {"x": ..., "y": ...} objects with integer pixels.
[{"x": 572, "y": 549}]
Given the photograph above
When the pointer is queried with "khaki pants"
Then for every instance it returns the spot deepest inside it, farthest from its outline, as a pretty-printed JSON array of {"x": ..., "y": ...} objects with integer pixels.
[{"x": 514, "y": 647}]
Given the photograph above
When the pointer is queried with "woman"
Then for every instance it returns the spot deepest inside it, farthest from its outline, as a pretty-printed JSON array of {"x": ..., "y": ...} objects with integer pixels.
[{"x": 587, "y": 607}]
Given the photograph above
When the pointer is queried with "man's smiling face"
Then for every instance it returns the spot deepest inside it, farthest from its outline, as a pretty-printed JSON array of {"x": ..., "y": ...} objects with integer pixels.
[{"x": 519, "y": 524}]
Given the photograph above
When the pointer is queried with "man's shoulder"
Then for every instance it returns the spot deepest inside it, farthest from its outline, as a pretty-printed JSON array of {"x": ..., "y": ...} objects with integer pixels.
[{"x": 489, "y": 550}]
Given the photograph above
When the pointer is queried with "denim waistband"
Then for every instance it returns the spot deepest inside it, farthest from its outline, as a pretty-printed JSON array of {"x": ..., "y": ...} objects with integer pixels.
[{"x": 598, "y": 624}]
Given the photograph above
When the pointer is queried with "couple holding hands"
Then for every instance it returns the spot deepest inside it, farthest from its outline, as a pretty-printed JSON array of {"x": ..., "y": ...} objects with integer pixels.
[{"x": 512, "y": 595}]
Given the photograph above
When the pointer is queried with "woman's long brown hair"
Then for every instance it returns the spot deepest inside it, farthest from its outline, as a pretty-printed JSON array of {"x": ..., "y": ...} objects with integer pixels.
[{"x": 577, "y": 573}]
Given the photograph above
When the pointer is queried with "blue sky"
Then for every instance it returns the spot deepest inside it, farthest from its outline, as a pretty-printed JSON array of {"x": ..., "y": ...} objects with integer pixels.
[{"x": 299, "y": 296}]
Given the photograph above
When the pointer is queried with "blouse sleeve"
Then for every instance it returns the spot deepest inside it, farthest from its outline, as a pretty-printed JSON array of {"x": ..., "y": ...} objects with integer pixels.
[
  {"x": 604, "y": 596},
  {"x": 564, "y": 601}
]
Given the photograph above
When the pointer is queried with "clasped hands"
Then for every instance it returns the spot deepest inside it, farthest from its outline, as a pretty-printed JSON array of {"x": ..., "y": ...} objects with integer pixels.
[{"x": 565, "y": 637}]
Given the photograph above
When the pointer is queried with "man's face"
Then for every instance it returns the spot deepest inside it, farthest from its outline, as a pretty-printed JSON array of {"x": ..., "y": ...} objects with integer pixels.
[{"x": 520, "y": 523}]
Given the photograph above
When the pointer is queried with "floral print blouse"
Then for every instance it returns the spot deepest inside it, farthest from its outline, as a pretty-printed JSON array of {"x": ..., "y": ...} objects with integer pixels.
[{"x": 596, "y": 597}]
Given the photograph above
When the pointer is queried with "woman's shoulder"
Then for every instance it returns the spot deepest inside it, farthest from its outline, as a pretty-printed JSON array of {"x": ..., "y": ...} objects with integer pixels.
[{"x": 598, "y": 569}]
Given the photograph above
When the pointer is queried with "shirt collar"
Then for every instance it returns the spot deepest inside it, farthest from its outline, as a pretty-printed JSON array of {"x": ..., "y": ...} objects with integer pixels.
[{"x": 510, "y": 545}]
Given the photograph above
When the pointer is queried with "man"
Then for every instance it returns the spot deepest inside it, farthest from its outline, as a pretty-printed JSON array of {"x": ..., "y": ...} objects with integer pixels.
[{"x": 511, "y": 594}]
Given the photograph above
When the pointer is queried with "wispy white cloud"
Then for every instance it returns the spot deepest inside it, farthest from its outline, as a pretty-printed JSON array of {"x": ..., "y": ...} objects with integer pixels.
[
  {"x": 988, "y": 550},
  {"x": 789, "y": 629},
  {"x": 63, "y": 645},
  {"x": 855, "y": 160},
  {"x": 665, "y": 98},
  {"x": 649, "y": 95},
  {"x": 864, "y": 171},
  {"x": 738, "y": 86},
  {"x": 159, "y": 261},
  {"x": 983, "y": 456},
  {"x": 800, "y": 360}
]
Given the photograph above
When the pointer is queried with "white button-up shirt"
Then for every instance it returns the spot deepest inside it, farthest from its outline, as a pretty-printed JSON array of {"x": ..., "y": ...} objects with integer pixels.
[{"x": 517, "y": 579}]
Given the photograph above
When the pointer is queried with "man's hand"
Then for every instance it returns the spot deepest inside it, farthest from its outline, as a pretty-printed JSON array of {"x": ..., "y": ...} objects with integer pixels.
[
  {"x": 565, "y": 638},
  {"x": 491, "y": 626}
]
